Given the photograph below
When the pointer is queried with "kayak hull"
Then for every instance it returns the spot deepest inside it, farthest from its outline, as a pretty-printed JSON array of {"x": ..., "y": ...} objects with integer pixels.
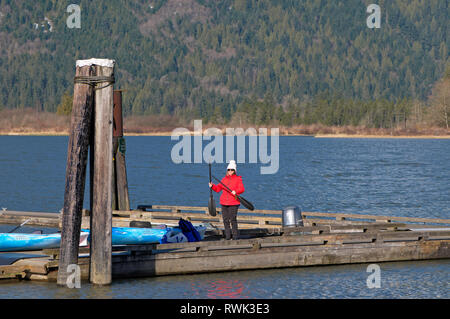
[
  {"x": 142, "y": 236},
  {"x": 120, "y": 236},
  {"x": 136, "y": 236},
  {"x": 21, "y": 242}
]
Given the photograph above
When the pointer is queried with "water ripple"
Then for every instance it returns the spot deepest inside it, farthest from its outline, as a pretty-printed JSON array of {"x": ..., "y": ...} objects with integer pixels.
[{"x": 377, "y": 177}]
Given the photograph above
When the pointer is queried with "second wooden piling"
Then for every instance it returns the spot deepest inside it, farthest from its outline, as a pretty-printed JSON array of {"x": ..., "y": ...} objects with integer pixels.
[{"x": 101, "y": 218}]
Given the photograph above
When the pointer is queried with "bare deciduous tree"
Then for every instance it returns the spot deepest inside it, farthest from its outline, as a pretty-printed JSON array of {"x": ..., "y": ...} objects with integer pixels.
[{"x": 440, "y": 102}]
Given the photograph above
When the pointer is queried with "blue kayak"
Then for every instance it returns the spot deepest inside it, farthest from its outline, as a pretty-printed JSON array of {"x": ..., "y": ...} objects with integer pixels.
[
  {"x": 120, "y": 236},
  {"x": 135, "y": 236},
  {"x": 139, "y": 236},
  {"x": 20, "y": 242}
]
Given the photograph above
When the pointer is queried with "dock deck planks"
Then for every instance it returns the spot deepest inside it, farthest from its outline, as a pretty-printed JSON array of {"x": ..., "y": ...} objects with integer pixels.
[{"x": 328, "y": 241}]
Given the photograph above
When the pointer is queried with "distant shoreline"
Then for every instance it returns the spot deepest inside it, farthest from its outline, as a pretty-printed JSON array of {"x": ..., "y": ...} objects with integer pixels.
[
  {"x": 318, "y": 135},
  {"x": 382, "y": 136},
  {"x": 28, "y": 122}
]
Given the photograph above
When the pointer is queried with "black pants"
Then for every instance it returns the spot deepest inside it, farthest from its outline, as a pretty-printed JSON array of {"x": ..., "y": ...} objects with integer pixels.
[{"x": 229, "y": 214}]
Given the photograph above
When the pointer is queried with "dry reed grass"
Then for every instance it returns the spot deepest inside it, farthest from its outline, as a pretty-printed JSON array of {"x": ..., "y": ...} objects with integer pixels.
[{"x": 31, "y": 122}]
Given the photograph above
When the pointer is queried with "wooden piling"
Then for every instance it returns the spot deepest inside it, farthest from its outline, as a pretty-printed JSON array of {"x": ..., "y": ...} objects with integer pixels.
[
  {"x": 75, "y": 172},
  {"x": 101, "y": 219},
  {"x": 121, "y": 199}
]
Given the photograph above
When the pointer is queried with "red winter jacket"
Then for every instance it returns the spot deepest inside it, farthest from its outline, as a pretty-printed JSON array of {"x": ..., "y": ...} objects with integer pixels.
[{"x": 233, "y": 182}]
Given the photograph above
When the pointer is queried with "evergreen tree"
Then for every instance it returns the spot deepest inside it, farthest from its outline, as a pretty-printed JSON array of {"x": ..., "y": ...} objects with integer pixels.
[{"x": 217, "y": 58}]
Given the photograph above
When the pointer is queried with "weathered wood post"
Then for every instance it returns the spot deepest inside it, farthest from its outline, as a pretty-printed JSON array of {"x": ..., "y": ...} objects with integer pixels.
[
  {"x": 80, "y": 130},
  {"x": 121, "y": 199},
  {"x": 101, "y": 214}
]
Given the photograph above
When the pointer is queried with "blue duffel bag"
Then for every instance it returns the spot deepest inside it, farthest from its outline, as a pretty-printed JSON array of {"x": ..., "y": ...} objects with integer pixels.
[{"x": 189, "y": 230}]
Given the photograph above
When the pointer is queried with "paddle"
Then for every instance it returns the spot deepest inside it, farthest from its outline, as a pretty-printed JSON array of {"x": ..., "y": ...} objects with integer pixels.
[
  {"x": 11, "y": 231},
  {"x": 211, "y": 203},
  {"x": 244, "y": 202}
]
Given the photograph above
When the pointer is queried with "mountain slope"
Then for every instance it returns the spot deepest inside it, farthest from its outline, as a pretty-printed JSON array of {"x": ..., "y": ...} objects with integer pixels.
[{"x": 204, "y": 58}]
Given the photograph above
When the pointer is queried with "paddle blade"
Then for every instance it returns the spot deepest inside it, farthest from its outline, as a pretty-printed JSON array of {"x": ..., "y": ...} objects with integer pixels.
[
  {"x": 211, "y": 203},
  {"x": 246, "y": 203},
  {"x": 212, "y": 206}
]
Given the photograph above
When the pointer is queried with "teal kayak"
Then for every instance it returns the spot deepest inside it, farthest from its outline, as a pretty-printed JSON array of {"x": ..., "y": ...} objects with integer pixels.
[
  {"x": 136, "y": 236},
  {"x": 120, "y": 236},
  {"x": 21, "y": 242},
  {"x": 139, "y": 236}
]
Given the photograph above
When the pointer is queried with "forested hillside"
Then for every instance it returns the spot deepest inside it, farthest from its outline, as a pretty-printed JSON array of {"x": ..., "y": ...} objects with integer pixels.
[{"x": 289, "y": 61}]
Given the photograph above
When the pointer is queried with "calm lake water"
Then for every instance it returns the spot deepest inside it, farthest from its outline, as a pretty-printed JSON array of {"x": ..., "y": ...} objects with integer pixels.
[{"x": 397, "y": 177}]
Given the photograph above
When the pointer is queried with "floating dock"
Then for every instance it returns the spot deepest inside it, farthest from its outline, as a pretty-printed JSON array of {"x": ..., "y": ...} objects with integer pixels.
[{"x": 325, "y": 239}]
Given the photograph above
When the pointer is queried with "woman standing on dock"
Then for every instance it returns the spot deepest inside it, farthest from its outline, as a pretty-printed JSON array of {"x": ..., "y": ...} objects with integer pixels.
[{"x": 229, "y": 201}]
